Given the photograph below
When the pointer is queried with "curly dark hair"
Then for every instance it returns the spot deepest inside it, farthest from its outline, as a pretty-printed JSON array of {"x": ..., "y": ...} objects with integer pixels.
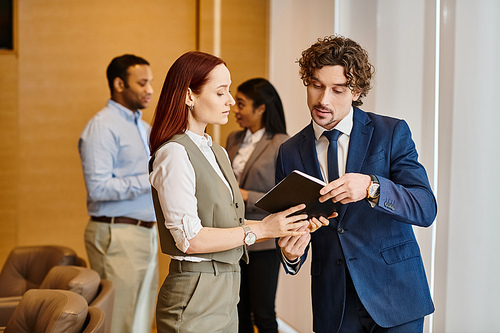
[{"x": 339, "y": 50}]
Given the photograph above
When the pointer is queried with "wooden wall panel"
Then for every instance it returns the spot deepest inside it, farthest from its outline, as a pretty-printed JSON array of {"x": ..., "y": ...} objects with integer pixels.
[
  {"x": 8, "y": 153},
  {"x": 64, "y": 48},
  {"x": 56, "y": 82},
  {"x": 244, "y": 43}
]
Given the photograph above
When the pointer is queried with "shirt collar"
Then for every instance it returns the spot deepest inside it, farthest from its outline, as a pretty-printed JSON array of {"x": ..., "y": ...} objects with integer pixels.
[
  {"x": 200, "y": 140},
  {"x": 255, "y": 137},
  {"x": 126, "y": 112},
  {"x": 344, "y": 126}
]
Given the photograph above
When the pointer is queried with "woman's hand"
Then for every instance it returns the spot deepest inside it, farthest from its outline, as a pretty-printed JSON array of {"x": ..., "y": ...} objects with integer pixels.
[{"x": 282, "y": 224}]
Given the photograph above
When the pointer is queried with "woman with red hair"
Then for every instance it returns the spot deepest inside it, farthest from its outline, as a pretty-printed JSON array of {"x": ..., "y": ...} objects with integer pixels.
[{"x": 199, "y": 208}]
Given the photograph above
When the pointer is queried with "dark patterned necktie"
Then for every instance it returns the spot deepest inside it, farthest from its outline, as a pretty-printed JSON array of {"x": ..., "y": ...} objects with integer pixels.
[{"x": 333, "y": 164}]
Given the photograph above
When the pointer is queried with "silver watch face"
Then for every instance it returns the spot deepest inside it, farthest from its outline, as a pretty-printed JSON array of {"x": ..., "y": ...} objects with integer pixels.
[
  {"x": 250, "y": 238},
  {"x": 373, "y": 190}
]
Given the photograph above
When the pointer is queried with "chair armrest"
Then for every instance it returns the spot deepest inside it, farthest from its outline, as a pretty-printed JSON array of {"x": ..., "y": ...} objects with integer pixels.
[{"x": 7, "y": 307}]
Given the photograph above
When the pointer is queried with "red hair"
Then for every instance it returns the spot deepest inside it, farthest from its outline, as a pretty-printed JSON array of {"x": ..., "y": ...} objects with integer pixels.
[{"x": 190, "y": 70}]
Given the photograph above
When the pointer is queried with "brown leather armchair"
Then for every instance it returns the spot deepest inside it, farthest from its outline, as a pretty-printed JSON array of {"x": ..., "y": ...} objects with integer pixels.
[
  {"x": 86, "y": 282},
  {"x": 95, "y": 322},
  {"x": 105, "y": 300},
  {"x": 81, "y": 280},
  {"x": 27, "y": 266},
  {"x": 48, "y": 310}
]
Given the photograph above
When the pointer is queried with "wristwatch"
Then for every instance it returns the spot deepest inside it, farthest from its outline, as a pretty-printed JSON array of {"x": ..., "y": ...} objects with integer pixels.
[
  {"x": 250, "y": 236},
  {"x": 374, "y": 188}
]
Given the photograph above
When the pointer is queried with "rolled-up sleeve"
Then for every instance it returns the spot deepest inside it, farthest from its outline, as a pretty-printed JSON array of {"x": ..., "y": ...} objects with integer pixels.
[{"x": 173, "y": 178}]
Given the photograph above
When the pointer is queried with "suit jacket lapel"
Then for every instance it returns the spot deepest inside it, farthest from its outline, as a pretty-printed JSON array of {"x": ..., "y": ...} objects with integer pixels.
[
  {"x": 360, "y": 138},
  {"x": 361, "y": 135},
  {"x": 307, "y": 150},
  {"x": 233, "y": 150}
]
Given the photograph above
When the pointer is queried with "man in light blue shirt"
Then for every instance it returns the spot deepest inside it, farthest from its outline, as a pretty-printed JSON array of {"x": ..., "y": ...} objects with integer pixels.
[{"x": 121, "y": 236}]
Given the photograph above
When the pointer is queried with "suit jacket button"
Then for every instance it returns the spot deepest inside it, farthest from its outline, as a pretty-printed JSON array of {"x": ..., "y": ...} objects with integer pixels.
[
  {"x": 340, "y": 230},
  {"x": 340, "y": 262},
  {"x": 389, "y": 205},
  {"x": 236, "y": 204}
]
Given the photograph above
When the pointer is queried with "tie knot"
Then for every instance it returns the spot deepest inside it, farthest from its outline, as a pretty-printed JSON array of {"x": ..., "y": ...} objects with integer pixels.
[{"x": 332, "y": 135}]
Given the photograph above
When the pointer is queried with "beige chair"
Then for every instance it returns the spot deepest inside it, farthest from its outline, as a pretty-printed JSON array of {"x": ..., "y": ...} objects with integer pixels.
[{"x": 48, "y": 310}]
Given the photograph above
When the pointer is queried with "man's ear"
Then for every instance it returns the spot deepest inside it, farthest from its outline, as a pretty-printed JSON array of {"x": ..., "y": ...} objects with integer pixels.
[
  {"x": 355, "y": 96},
  {"x": 118, "y": 84}
]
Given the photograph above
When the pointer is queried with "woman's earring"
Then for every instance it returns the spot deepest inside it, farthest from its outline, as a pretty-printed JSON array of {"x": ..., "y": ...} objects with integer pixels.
[{"x": 191, "y": 108}]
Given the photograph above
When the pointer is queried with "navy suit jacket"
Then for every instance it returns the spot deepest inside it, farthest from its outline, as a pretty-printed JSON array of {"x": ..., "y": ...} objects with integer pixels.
[{"x": 377, "y": 245}]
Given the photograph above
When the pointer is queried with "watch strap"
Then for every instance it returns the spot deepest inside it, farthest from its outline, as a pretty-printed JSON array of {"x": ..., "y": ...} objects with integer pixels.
[
  {"x": 374, "y": 182},
  {"x": 248, "y": 235}
]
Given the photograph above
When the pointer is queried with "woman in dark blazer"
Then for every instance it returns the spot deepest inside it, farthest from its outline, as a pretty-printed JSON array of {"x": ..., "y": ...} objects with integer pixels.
[{"x": 253, "y": 152}]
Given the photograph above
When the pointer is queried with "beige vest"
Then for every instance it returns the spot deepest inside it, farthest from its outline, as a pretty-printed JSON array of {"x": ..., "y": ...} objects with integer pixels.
[{"x": 216, "y": 209}]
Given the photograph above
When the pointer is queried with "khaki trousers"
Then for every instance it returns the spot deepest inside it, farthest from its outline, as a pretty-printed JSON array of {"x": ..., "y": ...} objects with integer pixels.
[
  {"x": 127, "y": 255},
  {"x": 199, "y": 297}
]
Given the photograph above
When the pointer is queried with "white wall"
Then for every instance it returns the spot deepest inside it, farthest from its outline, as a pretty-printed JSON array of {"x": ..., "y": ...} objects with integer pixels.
[
  {"x": 471, "y": 283},
  {"x": 400, "y": 39},
  {"x": 294, "y": 26},
  {"x": 453, "y": 127}
]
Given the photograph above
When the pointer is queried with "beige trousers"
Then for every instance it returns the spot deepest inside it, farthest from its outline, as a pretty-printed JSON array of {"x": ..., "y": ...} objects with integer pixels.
[
  {"x": 127, "y": 255},
  {"x": 195, "y": 300}
]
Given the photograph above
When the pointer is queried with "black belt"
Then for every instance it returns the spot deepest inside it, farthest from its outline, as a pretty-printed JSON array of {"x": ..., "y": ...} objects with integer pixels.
[{"x": 123, "y": 220}]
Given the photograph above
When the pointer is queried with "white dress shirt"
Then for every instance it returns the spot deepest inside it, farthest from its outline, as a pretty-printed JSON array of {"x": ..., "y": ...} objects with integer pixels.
[
  {"x": 174, "y": 178},
  {"x": 345, "y": 127}
]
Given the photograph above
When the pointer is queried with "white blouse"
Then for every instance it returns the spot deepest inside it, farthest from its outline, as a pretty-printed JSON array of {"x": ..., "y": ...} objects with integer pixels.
[{"x": 245, "y": 151}]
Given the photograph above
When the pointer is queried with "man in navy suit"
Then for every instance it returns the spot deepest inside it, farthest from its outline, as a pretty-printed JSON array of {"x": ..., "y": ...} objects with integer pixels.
[{"x": 367, "y": 270}]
